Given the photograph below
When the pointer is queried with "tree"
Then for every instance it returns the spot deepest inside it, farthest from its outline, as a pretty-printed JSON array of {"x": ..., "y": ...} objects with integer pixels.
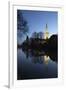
[
  {"x": 53, "y": 41},
  {"x": 22, "y": 27},
  {"x": 22, "y": 24}
]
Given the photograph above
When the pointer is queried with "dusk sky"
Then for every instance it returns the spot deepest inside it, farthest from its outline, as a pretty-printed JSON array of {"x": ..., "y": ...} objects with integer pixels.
[{"x": 37, "y": 21}]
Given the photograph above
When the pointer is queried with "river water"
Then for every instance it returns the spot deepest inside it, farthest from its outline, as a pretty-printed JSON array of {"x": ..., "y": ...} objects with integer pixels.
[{"x": 30, "y": 66}]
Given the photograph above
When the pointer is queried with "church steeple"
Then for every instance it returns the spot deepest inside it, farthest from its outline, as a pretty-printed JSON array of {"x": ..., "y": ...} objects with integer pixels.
[
  {"x": 46, "y": 27},
  {"x": 46, "y": 32}
]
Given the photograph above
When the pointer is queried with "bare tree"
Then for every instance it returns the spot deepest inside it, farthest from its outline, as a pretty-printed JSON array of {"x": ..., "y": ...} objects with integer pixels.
[
  {"x": 22, "y": 27},
  {"x": 22, "y": 24}
]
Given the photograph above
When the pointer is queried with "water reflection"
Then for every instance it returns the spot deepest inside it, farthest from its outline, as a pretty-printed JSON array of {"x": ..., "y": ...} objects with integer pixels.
[
  {"x": 46, "y": 59},
  {"x": 34, "y": 64},
  {"x": 41, "y": 54}
]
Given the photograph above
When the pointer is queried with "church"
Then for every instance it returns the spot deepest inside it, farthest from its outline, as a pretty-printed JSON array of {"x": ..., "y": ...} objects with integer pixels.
[{"x": 45, "y": 34}]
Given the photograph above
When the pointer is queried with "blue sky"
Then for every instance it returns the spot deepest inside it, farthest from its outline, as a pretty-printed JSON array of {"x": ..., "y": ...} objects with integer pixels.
[{"x": 37, "y": 21}]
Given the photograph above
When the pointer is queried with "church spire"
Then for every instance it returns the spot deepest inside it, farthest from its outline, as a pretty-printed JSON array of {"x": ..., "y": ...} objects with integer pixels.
[
  {"x": 46, "y": 27},
  {"x": 46, "y": 32}
]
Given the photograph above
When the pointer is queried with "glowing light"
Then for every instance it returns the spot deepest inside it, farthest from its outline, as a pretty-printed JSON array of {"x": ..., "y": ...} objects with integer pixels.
[
  {"x": 46, "y": 34},
  {"x": 46, "y": 59}
]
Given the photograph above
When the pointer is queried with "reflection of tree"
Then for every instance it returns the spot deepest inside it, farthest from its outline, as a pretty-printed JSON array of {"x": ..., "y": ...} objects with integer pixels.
[
  {"x": 22, "y": 25},
  {"x": 39, "y": 47},
  {"x": 41, "y": 56},
  {"x": 37, "y": 59}
]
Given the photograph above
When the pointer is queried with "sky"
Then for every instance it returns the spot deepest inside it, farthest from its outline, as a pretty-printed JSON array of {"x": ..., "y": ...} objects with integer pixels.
[{"x": 37, "y": 21}]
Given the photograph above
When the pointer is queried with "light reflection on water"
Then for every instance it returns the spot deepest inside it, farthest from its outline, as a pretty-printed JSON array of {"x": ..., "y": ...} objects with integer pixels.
[{"x": 31, "y": 66}]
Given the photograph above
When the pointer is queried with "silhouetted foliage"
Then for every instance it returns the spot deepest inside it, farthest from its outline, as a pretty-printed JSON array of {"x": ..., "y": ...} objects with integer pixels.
[
  {"x": 22, "y": 24},
  {"x": 53, "y": 41}
]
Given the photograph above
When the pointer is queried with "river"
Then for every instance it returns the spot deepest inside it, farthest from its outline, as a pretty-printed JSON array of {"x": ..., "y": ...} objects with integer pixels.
[{"x": 35, "y": 66}]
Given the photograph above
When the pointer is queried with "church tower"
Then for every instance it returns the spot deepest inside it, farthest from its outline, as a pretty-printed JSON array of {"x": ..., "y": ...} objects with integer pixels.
[{"x": 46, "y": 34}]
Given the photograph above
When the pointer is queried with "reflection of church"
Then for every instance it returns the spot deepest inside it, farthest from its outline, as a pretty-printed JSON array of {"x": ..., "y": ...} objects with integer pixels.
[{"x": 46, "y": 59}]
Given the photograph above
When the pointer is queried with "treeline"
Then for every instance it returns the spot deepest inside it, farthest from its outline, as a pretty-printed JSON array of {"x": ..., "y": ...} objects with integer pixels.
[{"x": 35, "y": 43}]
